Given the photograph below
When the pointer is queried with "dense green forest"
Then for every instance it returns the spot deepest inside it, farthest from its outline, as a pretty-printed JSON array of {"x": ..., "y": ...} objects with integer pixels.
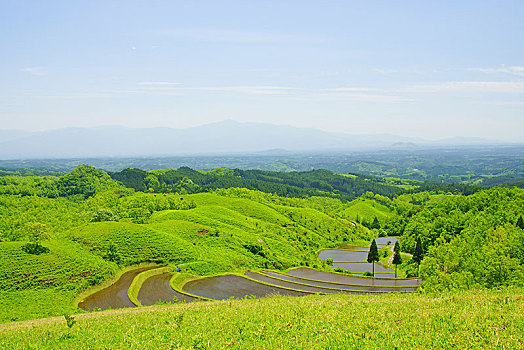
[
  {"x": 62, "y": 234},
  {"x": 486, "y": 166},
  {"x": 291, "y": 184}
]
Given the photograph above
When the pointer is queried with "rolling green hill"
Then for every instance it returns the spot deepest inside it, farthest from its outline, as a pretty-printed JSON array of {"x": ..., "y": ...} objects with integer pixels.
[
  {"x": 91, "y": 227},
  {"x": 214, "y": 234}
]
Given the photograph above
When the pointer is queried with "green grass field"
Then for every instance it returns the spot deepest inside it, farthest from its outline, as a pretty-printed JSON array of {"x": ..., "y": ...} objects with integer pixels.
[{"x": 473, "y": 320}]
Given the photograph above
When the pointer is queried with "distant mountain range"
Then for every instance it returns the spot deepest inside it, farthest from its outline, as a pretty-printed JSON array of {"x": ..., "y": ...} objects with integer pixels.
[{"x": 215, "y": 138}]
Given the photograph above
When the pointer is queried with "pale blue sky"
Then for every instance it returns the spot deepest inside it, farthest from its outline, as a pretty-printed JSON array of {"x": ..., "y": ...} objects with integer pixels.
[{"x": 416, "y": 68}]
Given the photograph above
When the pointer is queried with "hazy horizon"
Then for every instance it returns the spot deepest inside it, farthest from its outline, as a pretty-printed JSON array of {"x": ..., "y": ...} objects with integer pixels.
[
  {"x": 408, "y": 138},
  {"x": 413, "y": 69}
]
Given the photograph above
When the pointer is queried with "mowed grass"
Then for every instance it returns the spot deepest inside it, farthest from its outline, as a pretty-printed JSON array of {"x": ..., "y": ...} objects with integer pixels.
[{"x": 473, "y": 320}]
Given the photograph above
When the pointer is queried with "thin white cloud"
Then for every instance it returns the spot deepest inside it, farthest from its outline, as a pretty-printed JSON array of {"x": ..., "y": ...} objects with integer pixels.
[
  {"x": 242, "y": 37},
  {"x": 503, "y": 103},
  {"x": 158, "y": 83},
  {"x": 33, "y": 71},
  {"x": 512, "y": 70},
  {"x": 404, "y": 71},
  {"x": 78, "y": 96},
  {"x": 253, "y": 90},
  {"x": 468, "y": 86},
  {"x": 353, "y": 89},
  {"x": 167, "y": 87},
  {"x": 364, "y": 97}
]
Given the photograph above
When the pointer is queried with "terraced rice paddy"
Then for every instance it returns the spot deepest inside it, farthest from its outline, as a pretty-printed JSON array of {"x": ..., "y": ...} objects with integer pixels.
[
  {"x": 296, "y": 282},
  {"x": 358, "y": 268},
  {"x": 264, "y": 278},
  {"x": 115, "y": 296},
  {"x": 157, "y": 289},
  {"x": 338, "y": 285},
  {"x": 227, "y": 286},
  {"x": 311, "y": 274}
]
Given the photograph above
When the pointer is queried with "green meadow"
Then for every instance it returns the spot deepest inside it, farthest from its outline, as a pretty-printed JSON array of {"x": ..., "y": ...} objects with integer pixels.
[{"x": 470, "y": 320}]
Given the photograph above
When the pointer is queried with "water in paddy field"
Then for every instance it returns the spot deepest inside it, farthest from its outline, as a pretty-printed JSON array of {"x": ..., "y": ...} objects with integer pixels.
[
  {"x": 224, "y": 287},
  {"x": 157, "y": 289},
  {"x": 114, "y": 296},
  {"x": 353, "y": 258}
]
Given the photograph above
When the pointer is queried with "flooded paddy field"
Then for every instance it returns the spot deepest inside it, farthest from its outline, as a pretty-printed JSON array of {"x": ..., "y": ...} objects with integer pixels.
[
  {"x": 262, "y": 277},
  {"x": 224, "y": 287},
  {"x": 157, "y": 289},
  {"x": 308, "y": 273},
  {"x": 114, "y": 296},
  {"x": 361, "y": 267},
  {"x": 384, "y": 241},
  {"x": 341, "y": 286},
  {"x": 343, "y": 255}
]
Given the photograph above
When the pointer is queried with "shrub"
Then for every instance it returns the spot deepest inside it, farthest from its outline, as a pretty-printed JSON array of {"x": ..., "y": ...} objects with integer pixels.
[
  {"x": 255, "y": 249},
  {"x": 34, "y": 248},
  {"x": 368, "y": 274},
  {"x": 112, "y": 254},
  {"x": 139, "y": 215},
  {"x": 104, "y": 215}
]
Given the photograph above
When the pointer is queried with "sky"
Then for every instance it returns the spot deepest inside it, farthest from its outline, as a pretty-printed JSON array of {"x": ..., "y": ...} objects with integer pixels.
[{"x": 433, "y": 69}]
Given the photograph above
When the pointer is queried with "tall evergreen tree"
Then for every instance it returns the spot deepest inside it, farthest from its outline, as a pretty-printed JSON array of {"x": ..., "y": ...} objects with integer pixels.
[
  {"x": 397, "y": 259},
  {"x": 373, "y": 255},
  {"x": 418, "y": 254},
  {"x": 520, "y": 222}
]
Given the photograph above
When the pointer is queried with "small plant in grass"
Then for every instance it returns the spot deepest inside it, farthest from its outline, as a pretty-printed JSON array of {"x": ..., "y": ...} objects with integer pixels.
[
  {"x": 178, "y": 320},
  {"x": 175, "y": 299},
  {"x": 70, "y": 320}
]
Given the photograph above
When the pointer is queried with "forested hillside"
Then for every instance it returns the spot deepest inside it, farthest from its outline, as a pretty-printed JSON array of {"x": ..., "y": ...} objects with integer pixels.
[
  {"x": 470, "y": 240},
  {"x": 288, "y": 184}
]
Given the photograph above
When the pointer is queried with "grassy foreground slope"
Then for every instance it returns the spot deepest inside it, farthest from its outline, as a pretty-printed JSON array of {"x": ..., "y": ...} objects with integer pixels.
[{"x": 480, "y": 320}]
